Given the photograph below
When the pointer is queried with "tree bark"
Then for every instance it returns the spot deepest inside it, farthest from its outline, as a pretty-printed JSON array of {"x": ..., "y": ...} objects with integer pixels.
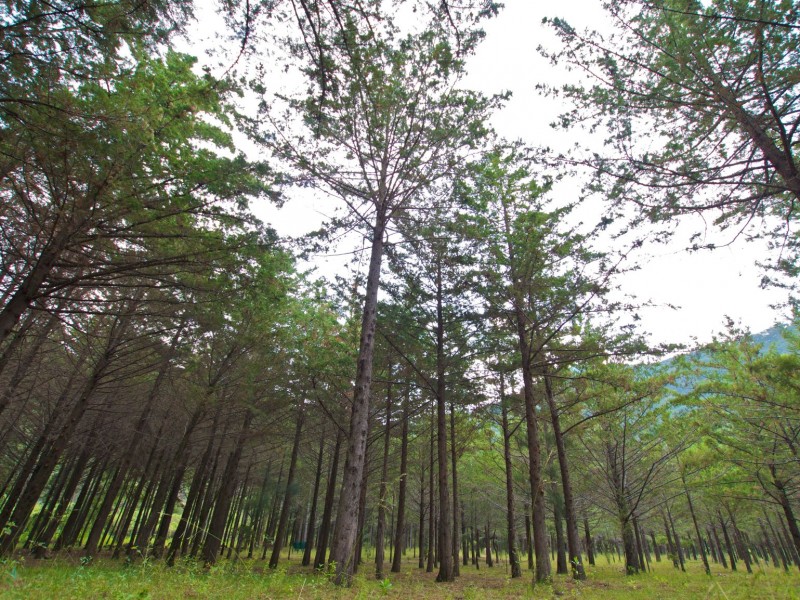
[
  {"x": 289, "y": 494},
  {"x": 588, "y": 537},
  {"x": 45, "y": 466},
  {"x": 127, "y": 458},
  {"x": 706, "y": 566},
  {"x": 171, "y": 492},
  {"x": 445, "y": 523},
  {"x": 431, "y": 505},
  {"x": 401, "y": 497},
  {"x": 327, "y": 511},
  {"x": 513, "y": 555},
  {"x": 677, "y": 538},
  {"x": 312, "y": 517},
  {"x": 343, "y": 549},
  {"x": 573, "y": 539},
  {"x": 193, "y": 499},
  {"x": 421, "y": 536},
  {"x": 221, "y": 506},
  {"x": 380, "y": 534},
  {"x": 457, "y": 525}
]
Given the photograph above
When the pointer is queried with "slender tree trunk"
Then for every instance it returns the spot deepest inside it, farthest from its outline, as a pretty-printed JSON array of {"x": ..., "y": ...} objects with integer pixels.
[
  {"x": 720, "y": 553},
  {"x": 677, "y": 539},
  {"x": 141, "y": 486},
  {"x": 44, "y": 468},
  {"x": 401, "y": 497},
  {"x": 744, "y": 554},
  {"x": 127, "y": 458},
  {"x": 639, "y": 544},
  {"x": 457, "y": 525},
  {"x": 431, "y": 505},
  {"x": 706, "y": 566},
  {"x": 312, "y": 517},
  {"x": 66, "y": 536},
  {"x": 786, "y": 505},
  {"x": 673, "y": 551},
  {"x": 380, "y": 534},
  {"x": 488, "y": 540},
  {"x": 573, "y": 539},
  {"x": 510, "y": 518},
  {"x": 362, "y": 513},
  {"x": 788, "y": 542},
  {"x": 27, "y": 468},
  {"x": 528, "y": 538},
  {"x": 656, "y": 549},
  {"x": 343, "y": 549},
  {"x": 221, "y": 506},
  {"x": 776, "y": 538},
  {"x": 193, "y": 499},
  {"x": 54, "y": 518},
  {"x": 289, "y": 495},
  {"x": 588, "y": 537},
  {"x": 241, "y": 516},
  {"x": 534, "y": 444},
  {"x": 421, "y": 540},
  {"x": 327, "y": 511},
  {"x": 170, "y": 494},
  {"x": 445, "y": 522},
  {"x": 558, "y": 521},
  {"x": 769, "y": 548},
  {"x": 727, "y": 538}
]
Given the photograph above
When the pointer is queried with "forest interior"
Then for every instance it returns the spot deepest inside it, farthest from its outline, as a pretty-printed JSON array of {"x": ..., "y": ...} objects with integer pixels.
[{"x": 195, "y": 403}]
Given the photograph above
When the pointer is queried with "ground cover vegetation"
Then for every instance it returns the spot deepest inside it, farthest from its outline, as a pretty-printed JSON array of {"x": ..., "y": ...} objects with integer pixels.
[{"x": 183, "y": 412}]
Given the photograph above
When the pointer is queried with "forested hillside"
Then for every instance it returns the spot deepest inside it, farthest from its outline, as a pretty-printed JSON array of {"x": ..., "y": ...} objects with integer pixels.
[{"x": 181, "y": 394}]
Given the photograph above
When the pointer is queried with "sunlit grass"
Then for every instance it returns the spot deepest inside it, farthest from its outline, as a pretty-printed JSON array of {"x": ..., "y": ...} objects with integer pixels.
[{"x": 67, "y": 578}]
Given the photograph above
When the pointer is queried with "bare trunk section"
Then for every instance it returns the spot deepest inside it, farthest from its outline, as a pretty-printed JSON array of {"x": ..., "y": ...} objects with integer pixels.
[
  {"x": 401, "y": 497},
  {"x": 445, "y": 523},
  {"x": 573, "y": 539},
  {"x": 381, "y": 533},
  {"x": 513, "y": 555},
  {"x": 312, "y": 517},
  {"x": 171, "y": 490},
  {"x": 50, "y": 457},
  {"x": 706, "y": 566},
  {"x": 223, "y": 500},
  {"x": 327, "y": 511},
  {"x": 457, "y": 517},
  {"x": 786, "y": 506},
  {"x": 193, "y": 498},
  {"x": 421, "y": 533},
  {"x": 289, "y": 495},
  {"x": 127, "y": 459},
  {"x": 343, "y": 548}
]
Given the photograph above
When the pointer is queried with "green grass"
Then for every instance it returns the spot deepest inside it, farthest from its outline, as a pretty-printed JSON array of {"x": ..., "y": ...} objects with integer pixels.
[{"x": 66, "y": 578}]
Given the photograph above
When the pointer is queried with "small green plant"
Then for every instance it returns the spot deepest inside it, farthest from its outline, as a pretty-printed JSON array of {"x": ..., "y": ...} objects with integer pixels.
[
  {"x": 385, "y": 586},
  {"x": 11, "y": 569},
  {"x": 7, "y": 529}
]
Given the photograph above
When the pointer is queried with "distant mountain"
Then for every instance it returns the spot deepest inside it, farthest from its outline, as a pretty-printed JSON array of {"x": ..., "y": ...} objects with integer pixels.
[{"x": 773, "y": 338}]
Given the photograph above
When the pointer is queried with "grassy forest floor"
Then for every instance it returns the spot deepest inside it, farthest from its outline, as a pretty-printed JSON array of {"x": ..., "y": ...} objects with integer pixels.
[{"x": 68, "y": 578}]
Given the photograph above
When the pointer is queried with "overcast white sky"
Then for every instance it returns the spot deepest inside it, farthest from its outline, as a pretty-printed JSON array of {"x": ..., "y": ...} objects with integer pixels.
[{"x": 705, "y": 286}]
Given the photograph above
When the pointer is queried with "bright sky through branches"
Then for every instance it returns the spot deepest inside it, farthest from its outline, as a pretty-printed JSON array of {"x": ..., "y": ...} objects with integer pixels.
[
  {"x": 691, "y": 292},
  {"x": 704, "y": 286}
]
